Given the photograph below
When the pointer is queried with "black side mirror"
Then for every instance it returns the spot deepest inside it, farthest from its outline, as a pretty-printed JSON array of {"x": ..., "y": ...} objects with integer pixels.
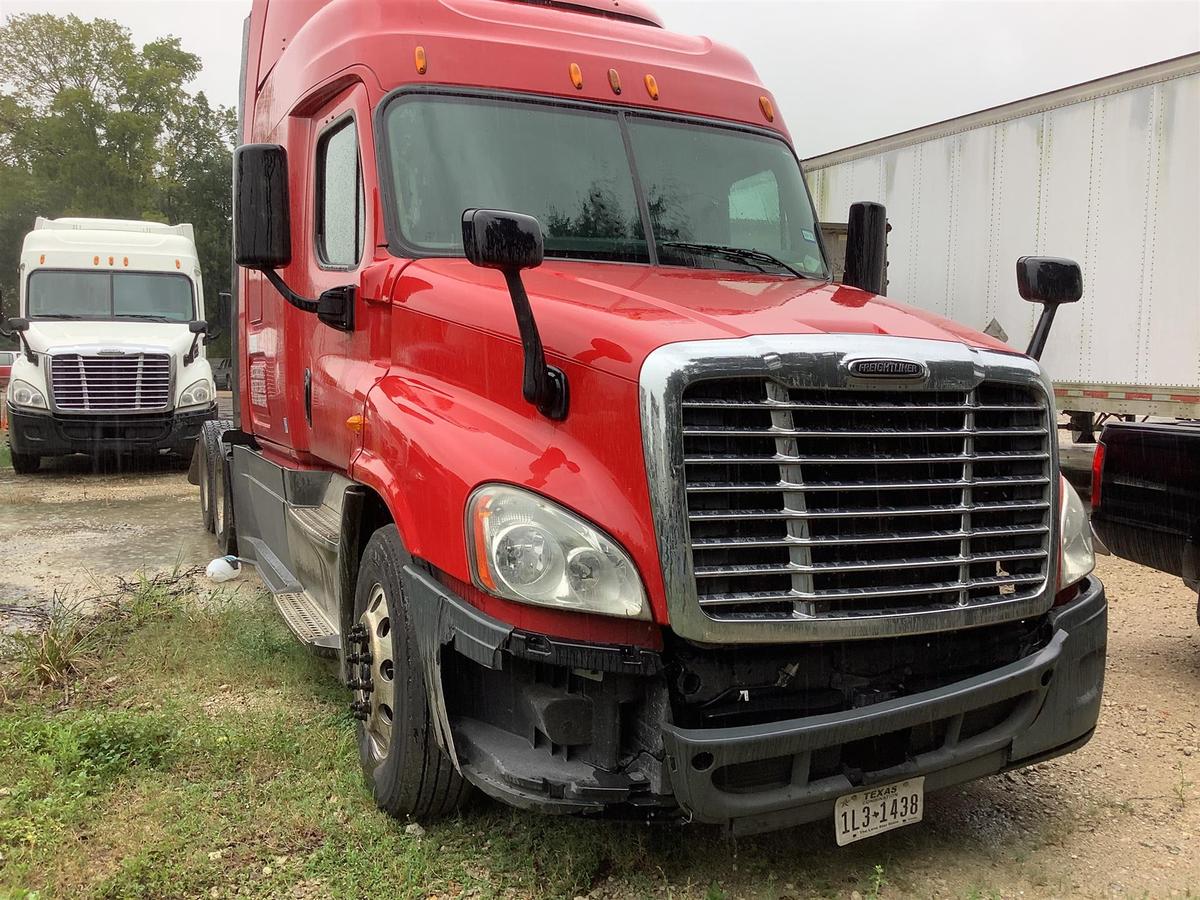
[
  {"x": 18, "y": 327},
  {"x": 1049, "y": 281},
  {"x": 225, "y": 309},
  {"x": 198, "y": 327},
  {"x": 866, "y": 247},
  {"x": 262, "y": 230},
  {"x": 262, "y": 225},
  {"x": 502, "y": 240},
  {"x": 512, "y": 242}
]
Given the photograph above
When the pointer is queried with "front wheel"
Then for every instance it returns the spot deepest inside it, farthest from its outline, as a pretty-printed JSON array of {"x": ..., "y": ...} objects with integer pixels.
[
  {"x": 409, "y": 774},
  {"x": 26, "y": 463}
]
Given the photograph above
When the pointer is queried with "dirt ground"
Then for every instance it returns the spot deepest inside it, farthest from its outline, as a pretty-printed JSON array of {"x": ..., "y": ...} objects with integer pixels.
[{"x": 1119, "y": 817}]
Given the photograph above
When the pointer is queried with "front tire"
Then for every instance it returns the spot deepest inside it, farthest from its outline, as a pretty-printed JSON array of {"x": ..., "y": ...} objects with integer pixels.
[
  {"x": 409, "y": 774},
  {"x": 26, "y": 463}
]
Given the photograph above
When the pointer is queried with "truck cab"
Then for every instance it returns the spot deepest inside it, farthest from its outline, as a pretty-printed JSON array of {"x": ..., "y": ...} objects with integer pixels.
[
  {"x": 552, "y": 427},
  {"x": 112, "y": 334}
]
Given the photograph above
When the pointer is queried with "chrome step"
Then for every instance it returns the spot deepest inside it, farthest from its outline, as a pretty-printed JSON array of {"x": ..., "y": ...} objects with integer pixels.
[{"x": 308, "y": 622}]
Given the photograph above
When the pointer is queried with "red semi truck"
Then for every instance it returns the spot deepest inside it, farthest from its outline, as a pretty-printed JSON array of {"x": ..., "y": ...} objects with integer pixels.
[{"x": 552, "y": 427}]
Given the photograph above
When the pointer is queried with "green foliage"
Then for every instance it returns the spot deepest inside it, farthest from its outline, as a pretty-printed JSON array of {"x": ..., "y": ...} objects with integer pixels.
[{"x": 93, "y": 125}]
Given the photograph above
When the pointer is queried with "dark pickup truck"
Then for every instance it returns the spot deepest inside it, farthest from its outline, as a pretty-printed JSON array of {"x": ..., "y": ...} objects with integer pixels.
[{"x": 1146, "y": 495}]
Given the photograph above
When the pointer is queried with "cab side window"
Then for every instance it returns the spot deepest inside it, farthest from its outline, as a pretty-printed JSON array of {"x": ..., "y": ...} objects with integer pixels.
[{"x": 341, "y": 218}]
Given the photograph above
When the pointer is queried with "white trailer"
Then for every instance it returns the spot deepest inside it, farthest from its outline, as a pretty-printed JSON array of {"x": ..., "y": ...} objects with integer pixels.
[{"x": 1106, "y": 173}]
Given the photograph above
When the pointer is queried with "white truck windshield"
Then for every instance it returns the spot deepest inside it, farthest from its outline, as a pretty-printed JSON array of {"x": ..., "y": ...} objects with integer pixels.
[
  {"x": 714, "y": 197},
  {"x": 152, "y": 296}
]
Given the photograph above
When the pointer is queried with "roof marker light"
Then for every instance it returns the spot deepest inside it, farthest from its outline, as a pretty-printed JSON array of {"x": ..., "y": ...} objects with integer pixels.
[
  {"x": 95, "y": 260},
  {"x": 614, "y": 79},
  {"x": 42, "y": 260},
  {"x": 125, "y": 261},
  {"x": 652, "y": 87},
  {"x": 767, "y": 107},
  {"x": 177, "y": 264},
  {"x": 421, "y": 61},
  {"x": 110, "y": 260},
  {"x": 577, "y": 76}
]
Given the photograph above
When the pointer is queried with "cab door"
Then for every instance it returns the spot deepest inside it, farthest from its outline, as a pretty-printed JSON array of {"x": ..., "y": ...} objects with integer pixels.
[{"x": 340, "y": 367}]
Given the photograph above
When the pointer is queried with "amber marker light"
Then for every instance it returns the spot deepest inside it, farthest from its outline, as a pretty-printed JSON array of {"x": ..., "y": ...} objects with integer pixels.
[
  {"x": 42, "y": 260},
  {"x": 356, "y": 423},
  {"x": 125, "y": 261},
  {"x": 767, "y": 107},
  {"x": 95, "y": 260},
  {"x": 421, "y": 61},
  {"x": 614, "y": 79},
  {"x": 577, "y": 76},
  {"x": 482, "y": 569},
  {"x": 178, "y": 264},
  {"x": 652, "y": 87},
  {"x": 110, "y": 260}
]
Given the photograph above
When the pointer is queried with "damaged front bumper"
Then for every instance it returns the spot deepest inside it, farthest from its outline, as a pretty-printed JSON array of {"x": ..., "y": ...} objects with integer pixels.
[{"x": 568, "y": 727}]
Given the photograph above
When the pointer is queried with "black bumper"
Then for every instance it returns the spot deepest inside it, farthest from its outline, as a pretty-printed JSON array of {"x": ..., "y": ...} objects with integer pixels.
[
  {"x": 1045, "y": 704},
  {"x": 44, "y": 434},
  {"x": 747, "y": 778}
]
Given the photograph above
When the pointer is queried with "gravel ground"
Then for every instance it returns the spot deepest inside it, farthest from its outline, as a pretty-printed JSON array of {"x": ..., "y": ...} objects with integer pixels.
[{"x": 1119, "y": 817}]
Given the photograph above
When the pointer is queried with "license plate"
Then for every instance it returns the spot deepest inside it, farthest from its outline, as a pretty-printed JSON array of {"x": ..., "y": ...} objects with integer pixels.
[{"x": 878, "y": 809}]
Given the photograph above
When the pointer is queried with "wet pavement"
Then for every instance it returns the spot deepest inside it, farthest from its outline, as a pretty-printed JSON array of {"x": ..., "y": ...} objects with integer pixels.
[{"x": 69, "y": 530}]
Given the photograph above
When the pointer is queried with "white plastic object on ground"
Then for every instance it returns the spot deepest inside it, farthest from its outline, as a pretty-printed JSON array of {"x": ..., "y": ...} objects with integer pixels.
[{"x": 224, "y": 568}]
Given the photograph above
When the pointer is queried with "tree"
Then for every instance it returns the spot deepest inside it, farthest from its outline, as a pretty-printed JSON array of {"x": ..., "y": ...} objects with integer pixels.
[{"x": 93, "y": 125}]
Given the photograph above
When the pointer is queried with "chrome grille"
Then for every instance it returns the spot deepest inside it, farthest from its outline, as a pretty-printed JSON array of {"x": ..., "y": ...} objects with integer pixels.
[
  {"x": 810, "y": 503},
  {"x": 135, "y": 382}
]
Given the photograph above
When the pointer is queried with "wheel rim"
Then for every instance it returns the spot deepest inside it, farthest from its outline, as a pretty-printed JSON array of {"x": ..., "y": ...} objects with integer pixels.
[
  {"x": 380, "y": 673},
  {"x": 218, "y": 498},
  {"x": 205, "y": 499}
]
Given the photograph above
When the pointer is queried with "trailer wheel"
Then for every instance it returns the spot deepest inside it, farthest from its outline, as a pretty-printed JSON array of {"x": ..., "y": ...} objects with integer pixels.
[
  {"x": 409, "y": 774},
  {"x": 222, "y": 495},
  {"x": 26, "y": 463}
]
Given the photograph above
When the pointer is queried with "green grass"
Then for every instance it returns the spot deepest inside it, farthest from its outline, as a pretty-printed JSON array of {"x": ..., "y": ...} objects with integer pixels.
[{"x": 194, "y": 749}]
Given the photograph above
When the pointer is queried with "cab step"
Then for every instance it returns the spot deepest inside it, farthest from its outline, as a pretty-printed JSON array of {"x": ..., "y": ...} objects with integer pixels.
[{"x": 308, "y": 623}]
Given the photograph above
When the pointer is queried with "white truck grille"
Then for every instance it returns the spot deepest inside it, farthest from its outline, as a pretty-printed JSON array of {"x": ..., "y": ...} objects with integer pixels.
[
  {"x": 817, "y": 503},
  {"x": 135, "y": 382}
]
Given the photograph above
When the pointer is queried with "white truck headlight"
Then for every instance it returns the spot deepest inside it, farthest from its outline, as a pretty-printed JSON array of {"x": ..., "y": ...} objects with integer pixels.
[
  {"x": 22, "y": 393},
  {"x": 200, "y": 393},
  {"x": 1077, "y": 559},
  {"x": 531, "y": 550}
]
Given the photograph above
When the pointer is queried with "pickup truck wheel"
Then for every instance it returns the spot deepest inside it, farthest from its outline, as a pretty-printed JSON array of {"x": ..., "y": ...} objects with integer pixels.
[
  {"x": 26, "y": 463},
  {"x": 409, "y": 774}
]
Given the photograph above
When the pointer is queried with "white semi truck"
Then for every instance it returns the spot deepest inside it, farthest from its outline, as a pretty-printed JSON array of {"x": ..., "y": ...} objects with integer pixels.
[
  {"x": 1106, "y": 172},
  {"x": 111, "y": 341}
]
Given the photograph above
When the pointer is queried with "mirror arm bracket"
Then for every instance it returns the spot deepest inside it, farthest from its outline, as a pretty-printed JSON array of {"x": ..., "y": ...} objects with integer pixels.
[
  {"x": 335, "y": 307},
  {"x": 1041, "y": 332},
  {"x": 193, "y": 351},
  {"x": 543, "y": 385},
  {"x": 301, "y": 303},
  {"x": 30, "y": 353}
]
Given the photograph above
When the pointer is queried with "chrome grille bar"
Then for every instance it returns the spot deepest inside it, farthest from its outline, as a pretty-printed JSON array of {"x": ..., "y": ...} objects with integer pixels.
[
  {"x": 817, "y": 503},
  {"x": 136, "y": 382}
]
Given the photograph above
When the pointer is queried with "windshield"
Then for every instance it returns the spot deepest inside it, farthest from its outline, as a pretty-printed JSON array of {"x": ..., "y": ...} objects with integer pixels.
[
  {"x": 154, "y": 296},
  {"x": 707, "y": 190}
]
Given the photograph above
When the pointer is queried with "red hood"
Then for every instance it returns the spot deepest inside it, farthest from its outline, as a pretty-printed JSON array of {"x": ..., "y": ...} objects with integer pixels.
[{"x": 637, "y": 309}]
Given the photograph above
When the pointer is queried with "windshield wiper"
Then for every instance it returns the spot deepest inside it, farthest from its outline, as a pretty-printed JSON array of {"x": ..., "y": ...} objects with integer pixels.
[
  {"x": 57, "y": 316},
  {"x": 740, "y": 254},
  {"x": 146, "y": 316}
]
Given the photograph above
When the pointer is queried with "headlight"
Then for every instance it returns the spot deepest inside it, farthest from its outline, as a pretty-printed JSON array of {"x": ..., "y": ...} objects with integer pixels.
[
  {"x": 197, "y": 394},
  {"x": 22, "y": 393},
  {"x": 1078, "y": 559},
  {"x": 528, "y": 549}
]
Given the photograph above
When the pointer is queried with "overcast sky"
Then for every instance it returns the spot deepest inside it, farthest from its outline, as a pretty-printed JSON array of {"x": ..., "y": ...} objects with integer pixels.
[{"x": 844, "y": 71}]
